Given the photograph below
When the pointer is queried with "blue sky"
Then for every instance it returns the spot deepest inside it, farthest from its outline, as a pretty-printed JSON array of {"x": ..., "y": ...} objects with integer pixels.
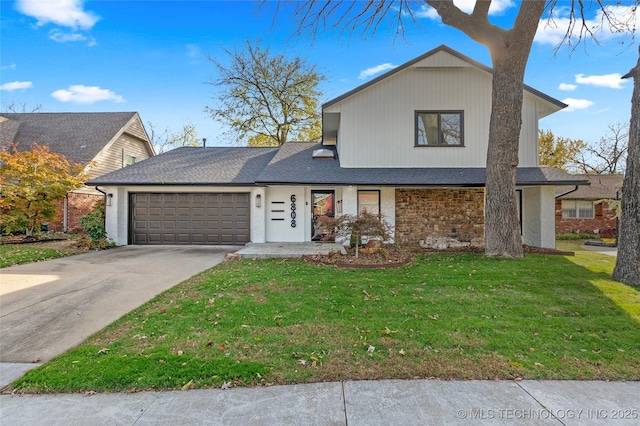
[{"x": 150, "y": 57}]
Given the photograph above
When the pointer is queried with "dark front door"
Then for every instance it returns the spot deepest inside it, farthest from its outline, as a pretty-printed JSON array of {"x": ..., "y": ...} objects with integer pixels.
[{"x": 323, "y": 208}]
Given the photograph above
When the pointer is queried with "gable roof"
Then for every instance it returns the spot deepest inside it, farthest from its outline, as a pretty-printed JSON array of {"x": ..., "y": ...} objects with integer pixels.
[
  {"x": 194, "y": 166},
  {"x": 601, "y": 187},
  {"x": 293, "y": 164},
  {"x": 77, "y": 136},
  {"x": 441, "y": 48}
]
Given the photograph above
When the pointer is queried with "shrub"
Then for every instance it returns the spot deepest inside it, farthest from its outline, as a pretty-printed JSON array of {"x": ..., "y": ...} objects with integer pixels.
[
  {"x": 608, "y": 233},
  {"x": 576, "y": 236},
  {"x": 93, "y": 224}
]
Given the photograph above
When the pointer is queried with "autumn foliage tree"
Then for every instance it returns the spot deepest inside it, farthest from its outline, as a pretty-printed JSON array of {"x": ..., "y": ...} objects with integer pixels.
[
  {"x": 556, "y": 151},
  {"x": 30, "y": 183}
]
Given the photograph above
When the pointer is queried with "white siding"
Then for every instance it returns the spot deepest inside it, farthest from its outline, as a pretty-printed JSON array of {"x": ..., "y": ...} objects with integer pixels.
[
  {"x": 538, "y": 216},
  {"x": 377, "y": 124}
]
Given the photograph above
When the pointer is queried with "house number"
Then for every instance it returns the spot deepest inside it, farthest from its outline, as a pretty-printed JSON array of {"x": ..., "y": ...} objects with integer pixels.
[{"x": 293, "y": 211}]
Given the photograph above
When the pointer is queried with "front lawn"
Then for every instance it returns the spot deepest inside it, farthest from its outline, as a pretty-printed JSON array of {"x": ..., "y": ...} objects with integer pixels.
[
  {"x": 450, "y": 316},
  {"x": 15, "y": 254}
]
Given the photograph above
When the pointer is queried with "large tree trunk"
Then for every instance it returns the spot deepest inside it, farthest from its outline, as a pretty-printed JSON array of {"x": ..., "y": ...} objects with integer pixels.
[
  {"x": 502, "y": 235},
  {"x": 627, "y": 268},
  {"x": 509, "y": 53}
]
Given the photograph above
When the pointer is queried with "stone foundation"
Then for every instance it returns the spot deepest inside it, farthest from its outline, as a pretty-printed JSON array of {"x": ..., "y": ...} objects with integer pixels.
[{"x": 437, "y": 213}]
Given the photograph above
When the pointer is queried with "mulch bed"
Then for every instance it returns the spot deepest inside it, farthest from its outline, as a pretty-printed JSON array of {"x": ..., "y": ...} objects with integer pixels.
[
  {"x": 395, "y": 256},
  {"x": 27, "y": 240}
]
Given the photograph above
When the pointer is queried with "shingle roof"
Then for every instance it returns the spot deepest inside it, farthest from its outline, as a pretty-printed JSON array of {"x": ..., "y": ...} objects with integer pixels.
[
  {"x": 77, "y": 136},
  {"x": 293, "y": 164},
  {"x": 602, "y": 186},
  {"x": 194, "y": 166}
]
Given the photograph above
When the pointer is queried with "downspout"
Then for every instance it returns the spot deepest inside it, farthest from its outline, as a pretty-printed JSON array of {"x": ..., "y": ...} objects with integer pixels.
[
  {"x": 105, "y": 194},
  {"x": 104, "y": 219},
  {"x": 65, "y": 214}
]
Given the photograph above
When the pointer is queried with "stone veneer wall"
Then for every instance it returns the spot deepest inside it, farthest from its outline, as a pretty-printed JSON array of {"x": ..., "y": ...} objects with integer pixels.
[
  {"x": 448, "y": 212},
  {"x": 605, "y": 218},
  {"x": 78, "y": 206}
]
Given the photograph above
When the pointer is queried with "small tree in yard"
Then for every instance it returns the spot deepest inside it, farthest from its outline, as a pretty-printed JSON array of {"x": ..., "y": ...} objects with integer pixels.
[
  {"x": 363, "y": 225},
  {"x": 30, "y": 183}
]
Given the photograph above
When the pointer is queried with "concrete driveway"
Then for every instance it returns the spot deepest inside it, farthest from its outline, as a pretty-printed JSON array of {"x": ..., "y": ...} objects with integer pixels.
[{"x": 49, "y": 307}]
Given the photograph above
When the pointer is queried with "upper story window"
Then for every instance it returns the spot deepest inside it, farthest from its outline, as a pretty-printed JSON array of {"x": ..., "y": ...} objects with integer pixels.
[
  {"x": 577, "y": 209},
  {"x": 129, "y": 160},
  {"x": 439, "y": 128}
]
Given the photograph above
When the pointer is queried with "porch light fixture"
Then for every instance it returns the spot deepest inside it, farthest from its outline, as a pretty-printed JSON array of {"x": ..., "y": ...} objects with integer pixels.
[
  {"x": 109, "y": 197},
  {"x": 339, "y": 206},
  {"x": 258, "y": 200}
]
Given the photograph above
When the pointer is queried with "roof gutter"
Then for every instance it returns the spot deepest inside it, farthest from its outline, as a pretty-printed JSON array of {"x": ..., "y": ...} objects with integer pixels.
[{"x": 568, "y": 192}]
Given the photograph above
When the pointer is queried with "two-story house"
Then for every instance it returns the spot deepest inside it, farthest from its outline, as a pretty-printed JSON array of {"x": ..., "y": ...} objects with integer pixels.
[
  {"x": 409, "y": 145},
  {"x": 100, "y": 141}
]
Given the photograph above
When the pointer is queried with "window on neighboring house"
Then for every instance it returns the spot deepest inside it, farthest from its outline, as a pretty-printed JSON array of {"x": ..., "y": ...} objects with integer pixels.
[
  {"x": 369, "y": 201},
  {"x": 577, "y": 209},
  {"x": 129, "y": 160},
  {"x": 443, "y": 128}
]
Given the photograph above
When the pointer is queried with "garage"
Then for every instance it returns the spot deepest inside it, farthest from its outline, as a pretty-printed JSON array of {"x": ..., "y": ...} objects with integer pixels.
[{"x": 189, "y": 218}]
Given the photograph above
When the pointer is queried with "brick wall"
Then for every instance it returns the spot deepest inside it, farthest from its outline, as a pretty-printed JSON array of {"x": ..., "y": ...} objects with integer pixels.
[
  {"x": 605, "y": 218},
  {"x": 78, "y": 206},
  {"x": 456, "y": 213}
]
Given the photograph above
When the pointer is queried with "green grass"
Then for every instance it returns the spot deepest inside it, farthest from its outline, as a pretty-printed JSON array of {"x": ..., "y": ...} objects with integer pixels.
[
  {"x": 287, "y": 321},
  {"x": 15, "y": 254}
]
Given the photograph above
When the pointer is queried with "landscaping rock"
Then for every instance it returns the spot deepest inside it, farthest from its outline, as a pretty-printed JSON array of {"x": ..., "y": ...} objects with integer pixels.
[
  {"x": 231, "y": 257},
  {"x": 443, "y": 243}
]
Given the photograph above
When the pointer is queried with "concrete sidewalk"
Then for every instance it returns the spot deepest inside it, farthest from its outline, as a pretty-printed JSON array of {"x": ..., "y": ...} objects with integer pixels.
[
  {"x": 282, "y": 250},
  {"x": 401, "y": 402}
]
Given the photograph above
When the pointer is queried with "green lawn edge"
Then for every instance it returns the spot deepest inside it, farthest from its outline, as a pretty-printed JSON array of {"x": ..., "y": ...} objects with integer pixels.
[{"x": 447, "y": 316}]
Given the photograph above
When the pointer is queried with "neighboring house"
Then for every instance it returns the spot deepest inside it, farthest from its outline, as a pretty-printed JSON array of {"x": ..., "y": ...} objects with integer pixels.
[
  {"x": 103, "y": 142},
  {"x": 576, "y": 208},
  {"x": 410, "y": 144}
]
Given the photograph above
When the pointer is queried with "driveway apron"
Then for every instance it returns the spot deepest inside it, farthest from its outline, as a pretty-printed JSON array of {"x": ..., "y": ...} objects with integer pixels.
[{"x": 49, "y": 307}]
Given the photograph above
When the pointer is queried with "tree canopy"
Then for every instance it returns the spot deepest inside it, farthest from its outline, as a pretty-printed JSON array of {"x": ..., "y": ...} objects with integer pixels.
[
  {"x": 30, "y": 183},
  {"x": 561, "y": 153},
  {"x": 609, "y": 154},
  {"x": 267, "y": 99},
  {"x": 167, "y": 140}
]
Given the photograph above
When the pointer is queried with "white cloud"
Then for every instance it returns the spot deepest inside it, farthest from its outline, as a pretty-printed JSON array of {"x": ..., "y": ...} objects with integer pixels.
[
  {"x": 16, "y": 85},
  {"x": 194, "y": 51},
  {"x": 426, "y": 11},
  {"x": 553, "y": 30},
  {"x": 9, "y": 67},
  {"x": 66, "y": 13},
  {"x": 612, "y": 81},
  {"x": 81, "y": 94},
  {"x": 375, "y": 70},
  {"x": 497, "y": 7},
  {"x": 61, "y": 37},
  {"x": 567, "y": 87},
  {"x": 576, "y": 104}
]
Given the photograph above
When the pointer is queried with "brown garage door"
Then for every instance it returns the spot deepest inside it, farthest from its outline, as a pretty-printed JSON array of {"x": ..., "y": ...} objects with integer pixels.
[{"x": 189, "y": 218}]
